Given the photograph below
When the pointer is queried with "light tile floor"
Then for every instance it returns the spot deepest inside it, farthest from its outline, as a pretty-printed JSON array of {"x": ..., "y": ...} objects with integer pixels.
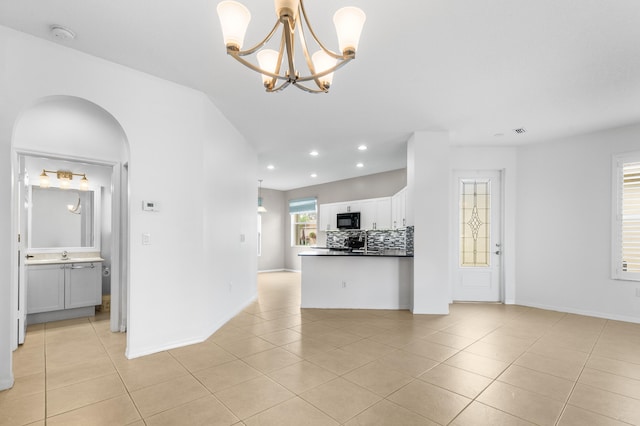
[{"x": 275, "y": 364}]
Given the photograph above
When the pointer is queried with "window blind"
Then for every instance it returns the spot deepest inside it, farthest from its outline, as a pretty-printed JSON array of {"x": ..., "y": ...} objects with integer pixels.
[
  {"x": 630, "y": 237},
  {"x": 302, "y": 205}
]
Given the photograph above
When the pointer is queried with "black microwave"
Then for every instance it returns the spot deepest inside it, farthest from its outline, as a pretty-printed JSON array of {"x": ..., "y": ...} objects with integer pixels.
[{"x": 348, "y": 220}]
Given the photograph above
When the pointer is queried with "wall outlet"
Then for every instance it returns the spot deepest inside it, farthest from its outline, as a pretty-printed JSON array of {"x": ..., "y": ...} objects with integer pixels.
[
  {"x": 146, "y": 239},
  {"x": 344, "y": 284}
]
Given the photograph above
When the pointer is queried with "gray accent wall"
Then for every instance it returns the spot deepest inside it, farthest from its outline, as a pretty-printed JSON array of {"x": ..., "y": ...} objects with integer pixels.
[{"x": 273, "y": 222}]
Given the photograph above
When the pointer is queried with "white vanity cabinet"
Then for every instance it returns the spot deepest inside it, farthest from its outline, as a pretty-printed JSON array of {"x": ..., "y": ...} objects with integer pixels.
[
  {"x": 45, "y": 288},
  {"x": 82, "y": 285},
  {"x": 63, "y": 286}
]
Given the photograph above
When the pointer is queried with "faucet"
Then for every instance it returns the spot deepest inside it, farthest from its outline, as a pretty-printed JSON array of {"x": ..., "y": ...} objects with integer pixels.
[{"x": 65, "y": 254}]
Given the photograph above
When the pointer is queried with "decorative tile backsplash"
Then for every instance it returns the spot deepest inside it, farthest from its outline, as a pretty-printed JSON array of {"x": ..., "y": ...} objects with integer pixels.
[{"x": 387, "y": 239}]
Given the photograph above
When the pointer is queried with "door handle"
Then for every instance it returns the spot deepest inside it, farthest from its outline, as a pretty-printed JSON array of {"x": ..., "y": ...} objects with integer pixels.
[
  {"x": 92, "y": 266},
  {"x": 497, "y": 252}
]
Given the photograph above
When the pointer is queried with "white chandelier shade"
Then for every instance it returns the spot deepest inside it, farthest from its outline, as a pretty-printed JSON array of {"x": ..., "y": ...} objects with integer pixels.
[{"x": 278, "y": 67}]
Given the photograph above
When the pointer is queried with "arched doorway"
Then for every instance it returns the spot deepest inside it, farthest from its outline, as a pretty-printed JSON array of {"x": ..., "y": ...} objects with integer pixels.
[{"x": 59, "y": 132}]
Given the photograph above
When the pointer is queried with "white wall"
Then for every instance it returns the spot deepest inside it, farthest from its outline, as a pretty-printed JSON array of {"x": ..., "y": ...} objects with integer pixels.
[
  {"x": 175, "y": 293},
  {"x": 273, "y": 230},
  {"x": 564, "y": 226},
  {"x": 428, "y": 186}
]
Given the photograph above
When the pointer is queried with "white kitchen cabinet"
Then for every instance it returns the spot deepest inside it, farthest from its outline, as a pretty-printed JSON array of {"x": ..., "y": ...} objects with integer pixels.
[
  {"x": 327, "y": 217},
  {"x": 383, "y": 213},
  {"x": 399, "y": 209},
  {"x": 63, "y": 286},
  {"x": 375, "y": 213}
]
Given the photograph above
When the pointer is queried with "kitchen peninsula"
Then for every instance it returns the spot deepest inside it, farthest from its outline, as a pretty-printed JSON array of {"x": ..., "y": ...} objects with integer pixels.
[{"x": 373, "y": 277}]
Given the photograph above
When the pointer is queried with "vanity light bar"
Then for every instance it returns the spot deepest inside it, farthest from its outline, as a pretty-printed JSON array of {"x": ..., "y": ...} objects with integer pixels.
[{"x": 65, "y": 177}]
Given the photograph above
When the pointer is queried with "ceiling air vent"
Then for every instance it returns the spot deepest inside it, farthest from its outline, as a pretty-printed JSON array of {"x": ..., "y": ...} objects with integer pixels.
[{"x": 520, "y": 130}]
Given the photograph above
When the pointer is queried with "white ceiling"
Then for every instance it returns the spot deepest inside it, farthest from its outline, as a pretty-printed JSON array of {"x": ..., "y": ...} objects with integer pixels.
[{"x": 473, "y": 68}]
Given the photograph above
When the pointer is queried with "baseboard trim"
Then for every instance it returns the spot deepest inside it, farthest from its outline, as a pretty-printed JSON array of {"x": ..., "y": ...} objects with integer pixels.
[
  {"x": 585, "y": 312},
  {"x": 193, "y": 340},
  {"x": 6, "y": 382},
  {"x": 271, "y": 270}
]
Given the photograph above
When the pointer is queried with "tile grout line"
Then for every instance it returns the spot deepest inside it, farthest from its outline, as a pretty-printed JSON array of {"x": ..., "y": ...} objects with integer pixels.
[
  {"x": 564, "y": 408},
  {"x": 115, "y": 367},
  {"x": 495, "y": 379}
]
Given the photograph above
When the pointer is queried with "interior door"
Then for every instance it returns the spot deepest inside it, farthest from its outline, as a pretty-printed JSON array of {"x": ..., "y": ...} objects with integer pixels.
[
  {"x": 22, "y": 200},
  {"x": 477, "y": 249}
]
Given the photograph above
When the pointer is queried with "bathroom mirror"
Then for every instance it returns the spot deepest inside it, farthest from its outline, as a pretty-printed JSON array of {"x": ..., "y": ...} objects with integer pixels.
[{"x": 63, "y": 219}]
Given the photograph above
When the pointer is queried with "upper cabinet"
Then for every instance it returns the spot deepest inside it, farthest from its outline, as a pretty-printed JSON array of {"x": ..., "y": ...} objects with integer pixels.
[
  {"x": 375, "y": 213},
  {"x": 399, "y": 209},
  {"x": 327, "y": 217}
]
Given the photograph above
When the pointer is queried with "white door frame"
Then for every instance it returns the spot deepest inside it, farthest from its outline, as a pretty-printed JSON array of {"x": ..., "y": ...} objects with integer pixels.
[
  {"x": 119, "y": 229},
  {"x": 454, "y": 261}
]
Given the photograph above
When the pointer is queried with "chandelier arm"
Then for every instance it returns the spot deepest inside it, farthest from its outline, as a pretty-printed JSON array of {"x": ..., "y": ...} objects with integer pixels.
[
  {"x": 303, "y": 13},
  {"x": 305, "y": 50},
  {"x": 255, "y": 68},
  {"x": 289, "y": 30},
  {"x": 309, "y": 90},
  {"x": 325, "y": 72},
  {"x": 259, "y": 45},
  {"x": 279, "y": 88}
]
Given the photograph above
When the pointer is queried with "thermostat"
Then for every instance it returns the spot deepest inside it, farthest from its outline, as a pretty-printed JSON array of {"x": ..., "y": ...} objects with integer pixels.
[{"x": 150, "y": 206}]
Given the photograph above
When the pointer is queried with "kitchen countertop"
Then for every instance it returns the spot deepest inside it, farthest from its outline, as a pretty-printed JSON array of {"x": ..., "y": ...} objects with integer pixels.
[{"x": 329, "y": 252}]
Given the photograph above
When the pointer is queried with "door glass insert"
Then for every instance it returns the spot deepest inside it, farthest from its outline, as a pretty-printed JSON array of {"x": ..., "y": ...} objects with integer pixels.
[{"x": 475, "y": 222}]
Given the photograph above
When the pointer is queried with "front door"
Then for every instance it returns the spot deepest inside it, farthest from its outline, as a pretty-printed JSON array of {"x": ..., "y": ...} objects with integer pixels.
[{"x": 477, "y": 248}]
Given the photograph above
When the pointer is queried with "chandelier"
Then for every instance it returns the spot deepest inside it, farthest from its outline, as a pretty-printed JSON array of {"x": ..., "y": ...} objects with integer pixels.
[{"x": 278, "y": 68}]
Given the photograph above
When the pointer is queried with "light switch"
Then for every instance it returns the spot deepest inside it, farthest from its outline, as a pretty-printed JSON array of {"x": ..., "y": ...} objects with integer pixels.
[
  {"x": 242, "y": 238},
  {"x": 146, "y": 239}
]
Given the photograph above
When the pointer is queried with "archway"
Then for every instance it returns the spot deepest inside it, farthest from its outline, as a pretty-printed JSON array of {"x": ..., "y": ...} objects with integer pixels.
[{"x": 59, "y": 130}]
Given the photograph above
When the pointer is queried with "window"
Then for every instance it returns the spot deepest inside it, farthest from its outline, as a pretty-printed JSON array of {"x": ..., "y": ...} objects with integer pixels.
[
  {"x": 626, "y": 232},
  {"x": 304, "y": 226},
  {"x": 475, "y": 226}
]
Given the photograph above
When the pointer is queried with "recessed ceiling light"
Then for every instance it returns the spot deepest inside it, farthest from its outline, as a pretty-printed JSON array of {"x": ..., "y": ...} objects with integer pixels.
[
  {"x": 362, "y": 147},
  {"x": 360, "y": 165},
  {"x": 271, "y": 167},
  {"x": 313, "y": 175},
  {"x": 314, "y": 153}
]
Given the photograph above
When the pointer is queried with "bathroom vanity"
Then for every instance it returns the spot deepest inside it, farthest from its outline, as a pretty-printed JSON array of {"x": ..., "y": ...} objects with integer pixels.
[
  {"x": 60, "y": 289},
  {"x": 61, "y": 271}
]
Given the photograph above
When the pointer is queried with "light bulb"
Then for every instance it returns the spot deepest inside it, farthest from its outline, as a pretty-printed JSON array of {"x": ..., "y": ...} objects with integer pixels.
[
  {"x": 234, "y": 20},
  {"x": 84, "y": 183},
  {"x": 322, "y": 62},
  {"x": 349, "y": 22},
  {"x": 44, "y": 180},
  {"x": 268, "y": 61}
]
